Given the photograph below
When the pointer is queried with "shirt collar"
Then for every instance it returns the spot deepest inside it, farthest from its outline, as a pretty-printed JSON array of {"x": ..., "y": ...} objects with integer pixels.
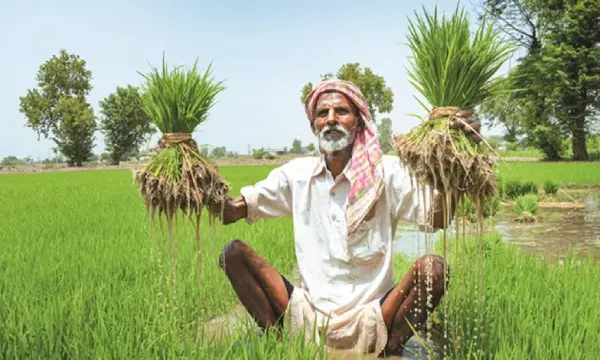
[{"x": 321, "y": 167}]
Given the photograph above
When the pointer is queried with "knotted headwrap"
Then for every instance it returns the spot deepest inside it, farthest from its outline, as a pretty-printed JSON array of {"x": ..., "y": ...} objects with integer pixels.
[{"x": 366, "y": 167}]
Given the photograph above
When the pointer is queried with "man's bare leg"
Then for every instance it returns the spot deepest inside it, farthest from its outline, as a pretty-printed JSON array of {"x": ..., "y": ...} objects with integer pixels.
[
  {"x": 262, "y": 290},
  {"x": 402, "y": 303}
]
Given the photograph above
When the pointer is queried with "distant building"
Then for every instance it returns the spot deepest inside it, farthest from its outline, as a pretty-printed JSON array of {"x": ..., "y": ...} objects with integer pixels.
[{"x": 275, "y": 151}]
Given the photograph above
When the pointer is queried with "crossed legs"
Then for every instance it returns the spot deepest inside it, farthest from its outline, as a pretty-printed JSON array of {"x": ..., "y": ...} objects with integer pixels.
[{"x": 265, "y": 293}]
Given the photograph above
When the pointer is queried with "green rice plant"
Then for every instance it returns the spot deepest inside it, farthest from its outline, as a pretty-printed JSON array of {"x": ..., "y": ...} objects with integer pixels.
[
  {"x": 466, "y": 209},
  {"x": 500, "y": 186},
  {"x": 527, "y": 203},
  {"x": 518, "y": 306},
  {"x": 529, "y": 187},
  {"x": 566, "y": 174},
  {"x": 550, "y": 187},
  {"x": 454, "y": 70},
  {"x": 78, "y": 281},
  {"x": 178, "y": 177},
  {"x": 527, "y": 208},
  {"x": 513, "y": 189}
]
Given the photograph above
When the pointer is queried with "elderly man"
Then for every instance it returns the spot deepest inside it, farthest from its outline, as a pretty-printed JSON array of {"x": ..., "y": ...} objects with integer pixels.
[{"x": 345, "y": 207}]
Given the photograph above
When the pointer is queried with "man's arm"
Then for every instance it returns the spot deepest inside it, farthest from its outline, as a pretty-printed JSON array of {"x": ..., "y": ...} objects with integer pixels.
[
  {"x": 438, "y": 222},
  {"x": 268, "y": 198},
  {"x": 415, "y": 204}
]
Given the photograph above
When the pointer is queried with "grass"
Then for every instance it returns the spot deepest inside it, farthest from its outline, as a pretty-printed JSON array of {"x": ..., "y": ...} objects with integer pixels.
[
  {"x": 78, "y": 279},
  {"x": 567, "y": 174}
]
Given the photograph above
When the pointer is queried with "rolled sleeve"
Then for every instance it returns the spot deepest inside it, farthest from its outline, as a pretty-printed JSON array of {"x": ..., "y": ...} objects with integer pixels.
[
  {"x": 409, "y": 201},
  {"x": 268, "y": 198}
]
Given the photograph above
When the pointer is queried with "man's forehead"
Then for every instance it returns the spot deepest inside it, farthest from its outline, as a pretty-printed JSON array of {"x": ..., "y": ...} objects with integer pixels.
[{"x": 332, "y": 96}]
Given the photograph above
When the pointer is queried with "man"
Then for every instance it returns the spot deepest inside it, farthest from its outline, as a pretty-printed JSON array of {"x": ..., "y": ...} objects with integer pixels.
[{"x": 345, "y": 206}]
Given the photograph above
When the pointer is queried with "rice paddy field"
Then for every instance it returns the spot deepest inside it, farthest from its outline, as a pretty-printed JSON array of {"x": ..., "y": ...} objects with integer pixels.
[{"x": 80, "y": 270}]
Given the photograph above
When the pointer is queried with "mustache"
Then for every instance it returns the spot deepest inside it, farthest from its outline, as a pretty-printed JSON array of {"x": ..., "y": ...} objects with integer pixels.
[{"x": 336, "y": 127}]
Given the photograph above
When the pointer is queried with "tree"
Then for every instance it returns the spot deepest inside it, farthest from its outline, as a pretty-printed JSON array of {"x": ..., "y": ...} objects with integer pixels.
[
  {"x": 384, "y": 133},
  {"x": 503, "y": 110},
  {"x": 75, "y": 131},
  {"x": 57, "y": 109},
  {"x": 219, "y": 152},
  {"x": 310, "y": 148},
  {"x": 572, "y": 66},
  {"x": 373, "y": 86},
  {"x": 559, "y": 77},
  {"x": 296, "y": 147},
  {"x": 124, "y": 123}
]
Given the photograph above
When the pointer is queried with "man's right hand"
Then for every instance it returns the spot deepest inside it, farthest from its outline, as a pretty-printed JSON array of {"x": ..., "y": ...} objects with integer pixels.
[{"x": 234, "y": 210}]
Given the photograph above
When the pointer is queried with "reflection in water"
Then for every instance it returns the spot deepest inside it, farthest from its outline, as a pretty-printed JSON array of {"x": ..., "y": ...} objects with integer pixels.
[{"x": 557, "y": 232}]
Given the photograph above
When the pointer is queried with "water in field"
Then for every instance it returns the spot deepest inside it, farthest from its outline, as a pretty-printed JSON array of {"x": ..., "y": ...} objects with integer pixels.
[{"x": 558, "y": 231}]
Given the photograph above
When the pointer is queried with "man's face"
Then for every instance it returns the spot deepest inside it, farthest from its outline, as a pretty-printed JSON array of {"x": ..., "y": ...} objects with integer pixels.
[{"x": 335, "y": 122}]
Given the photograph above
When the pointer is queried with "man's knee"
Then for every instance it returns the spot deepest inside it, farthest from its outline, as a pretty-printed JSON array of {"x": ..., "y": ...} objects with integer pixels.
[
  {"x": 436, "y": 267},
  {"x": 232, "y": 252}
]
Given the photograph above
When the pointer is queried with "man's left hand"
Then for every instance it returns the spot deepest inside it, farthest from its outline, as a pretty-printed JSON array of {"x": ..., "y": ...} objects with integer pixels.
[{"x": 470, "y": 126}]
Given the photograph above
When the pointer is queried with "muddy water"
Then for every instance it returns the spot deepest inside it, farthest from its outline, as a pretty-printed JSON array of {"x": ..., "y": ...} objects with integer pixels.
[{"x": 558, "y": 230}]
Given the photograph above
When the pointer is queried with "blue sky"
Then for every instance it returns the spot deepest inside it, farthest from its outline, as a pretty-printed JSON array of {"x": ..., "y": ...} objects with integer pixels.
[{"x": 264, "y": 50}]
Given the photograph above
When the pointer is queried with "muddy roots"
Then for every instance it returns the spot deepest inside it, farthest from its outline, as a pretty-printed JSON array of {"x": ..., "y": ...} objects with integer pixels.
[
  {"x": 199, "y": 186},
  {"x": 435, "y": 162}
]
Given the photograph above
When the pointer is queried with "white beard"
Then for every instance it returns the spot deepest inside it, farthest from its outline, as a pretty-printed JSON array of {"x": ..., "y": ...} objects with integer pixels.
[{"x": 331, "y": 146}]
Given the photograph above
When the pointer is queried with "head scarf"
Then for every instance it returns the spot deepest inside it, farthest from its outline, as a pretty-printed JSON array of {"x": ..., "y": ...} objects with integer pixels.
[{"x": 366, "y": 167}]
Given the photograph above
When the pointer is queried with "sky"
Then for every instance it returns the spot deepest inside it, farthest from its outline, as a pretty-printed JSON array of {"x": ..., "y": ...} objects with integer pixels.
[{"x": 265, "y": 51}]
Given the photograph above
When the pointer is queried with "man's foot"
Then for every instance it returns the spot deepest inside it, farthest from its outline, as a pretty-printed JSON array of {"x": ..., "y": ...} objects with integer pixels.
[{"x": 408, "y": 300}]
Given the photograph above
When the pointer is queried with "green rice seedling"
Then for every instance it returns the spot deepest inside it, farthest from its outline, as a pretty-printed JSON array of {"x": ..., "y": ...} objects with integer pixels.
[
  {"x": 566, "y": 174},
  {"x": 467, "y": 210},
  {"x": 550, "y": 187},
  {"x": 513, "y": 188},
  {"x": 529, "y": 187},
  {"x": 526, "y": 297},
  {"x": 527, "y": 208},
  {"x": 178, "y": 179},
  {"x": 455, "y": 71},
  {"x": 500, "y": 186}
]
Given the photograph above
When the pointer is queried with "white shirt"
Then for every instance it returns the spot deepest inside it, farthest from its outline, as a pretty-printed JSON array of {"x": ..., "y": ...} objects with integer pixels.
[{"x": 339, "y": 272}]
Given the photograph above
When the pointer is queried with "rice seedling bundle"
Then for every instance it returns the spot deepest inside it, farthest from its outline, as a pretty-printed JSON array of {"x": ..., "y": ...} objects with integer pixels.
[
  {"x": 454, "y": 71},
  {"x": 178, "y": 177},
  {"x": 178, "y": 180}
]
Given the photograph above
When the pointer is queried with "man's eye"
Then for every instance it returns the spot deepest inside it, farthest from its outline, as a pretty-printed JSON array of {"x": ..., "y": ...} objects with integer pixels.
[
  {"x": 322, "y": 113},
  {"x": 341, "y": 111}
]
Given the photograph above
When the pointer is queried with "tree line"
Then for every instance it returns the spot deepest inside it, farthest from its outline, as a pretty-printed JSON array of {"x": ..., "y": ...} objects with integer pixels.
[{"x": 58, "y": 109}]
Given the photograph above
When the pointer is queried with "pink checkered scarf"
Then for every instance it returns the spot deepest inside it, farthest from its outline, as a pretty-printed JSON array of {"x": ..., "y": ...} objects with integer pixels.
[{"x": 366, "y": 167}]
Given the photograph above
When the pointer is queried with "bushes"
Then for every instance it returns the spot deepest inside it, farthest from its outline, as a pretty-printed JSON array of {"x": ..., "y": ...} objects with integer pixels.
[
  {"x": 550, "y": 187},
  {"x": 515, "y": 188}
]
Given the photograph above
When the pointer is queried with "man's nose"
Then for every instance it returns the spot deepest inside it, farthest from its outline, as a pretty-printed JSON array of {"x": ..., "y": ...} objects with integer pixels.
[{"x": 331, "y": 118}]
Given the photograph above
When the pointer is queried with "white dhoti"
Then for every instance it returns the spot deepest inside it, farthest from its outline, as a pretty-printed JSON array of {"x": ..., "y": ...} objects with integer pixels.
[{"x": 361, "y": 329}]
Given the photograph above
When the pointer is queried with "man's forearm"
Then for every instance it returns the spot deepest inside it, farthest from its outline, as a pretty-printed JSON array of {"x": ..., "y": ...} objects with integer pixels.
[
  {"x": 441, "y": 220},
  {"x": 234, "y": 210}
]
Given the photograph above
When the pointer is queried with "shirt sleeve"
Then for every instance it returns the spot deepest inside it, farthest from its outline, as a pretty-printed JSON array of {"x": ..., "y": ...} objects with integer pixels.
[
  {"x": 408, "y": 201},
  {"x": 269, "y": 198}
]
